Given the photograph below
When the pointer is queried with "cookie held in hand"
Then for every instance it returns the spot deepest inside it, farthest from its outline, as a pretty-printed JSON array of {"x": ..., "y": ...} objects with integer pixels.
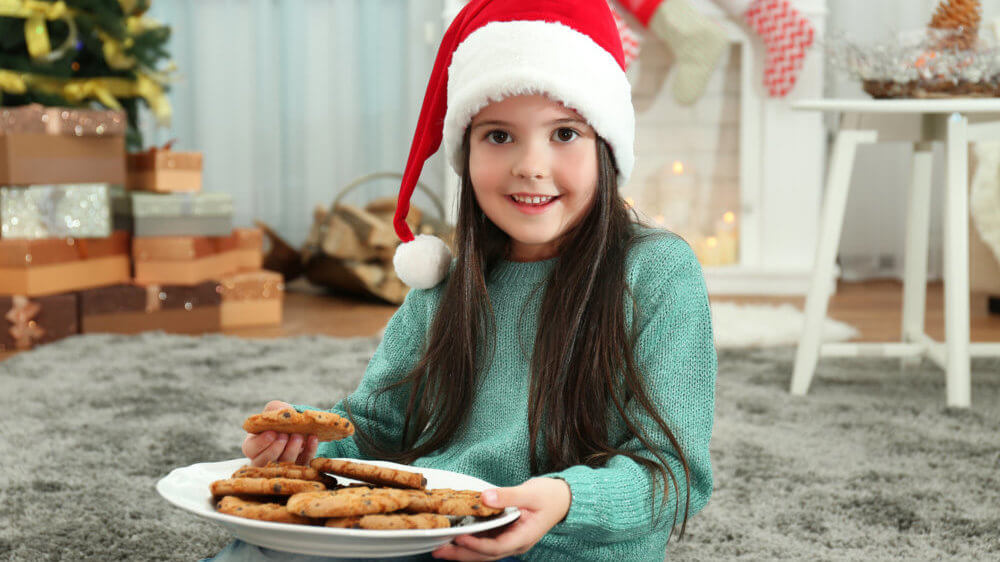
[{"x": 324, "y": 425}]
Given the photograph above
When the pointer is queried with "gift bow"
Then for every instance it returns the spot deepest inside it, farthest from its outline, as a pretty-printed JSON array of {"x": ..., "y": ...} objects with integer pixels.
[{"x": 21, "y": 315}]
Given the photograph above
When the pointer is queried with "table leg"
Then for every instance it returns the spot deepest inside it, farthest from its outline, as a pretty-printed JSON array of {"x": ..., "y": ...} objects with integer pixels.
[
  {"x": 956, "y": 263},
  {"x": 915, "y": 258},
  {"x": 834, "y": 203}
]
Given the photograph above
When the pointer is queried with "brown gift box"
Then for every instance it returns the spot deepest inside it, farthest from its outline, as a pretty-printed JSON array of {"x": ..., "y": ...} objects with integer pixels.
[
  {"x": 61, "y": 145},
  {"x": 31, "y": 322},
  {"x": 247, "y": 247},
  {"x": 181, "y": 260},
  {"x": 164, "y": 171},
  {"x": 28, "y": 159},
  {"x": 130, "y": 309},
  {"x": 172, "y": 248},
  {"x": 188, "y": 272},
  {"x": 46, "y": 267},
  {"x": 252, "y": 298}
]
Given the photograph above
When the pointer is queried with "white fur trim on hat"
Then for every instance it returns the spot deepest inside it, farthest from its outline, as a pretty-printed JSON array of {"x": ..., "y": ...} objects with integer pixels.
[
  {"x": 504, "y": 59},
  {"x": 422, "y": 262}
]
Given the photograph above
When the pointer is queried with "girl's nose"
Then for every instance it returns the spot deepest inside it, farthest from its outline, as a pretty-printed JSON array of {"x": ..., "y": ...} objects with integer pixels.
[{"x": 532, "y": 163}]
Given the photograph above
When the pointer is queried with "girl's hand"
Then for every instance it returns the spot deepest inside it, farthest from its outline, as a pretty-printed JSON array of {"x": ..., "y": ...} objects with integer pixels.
[
  {"x": 543, "y": 503},
  {"x": 269, "y": 446}
]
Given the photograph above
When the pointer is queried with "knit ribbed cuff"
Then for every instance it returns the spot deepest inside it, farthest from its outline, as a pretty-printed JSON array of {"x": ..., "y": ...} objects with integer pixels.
[{"x": 608, "y": 504}]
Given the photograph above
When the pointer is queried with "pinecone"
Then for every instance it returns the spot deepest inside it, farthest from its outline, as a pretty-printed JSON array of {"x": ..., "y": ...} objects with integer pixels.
[{"x": 960, "y": 17}]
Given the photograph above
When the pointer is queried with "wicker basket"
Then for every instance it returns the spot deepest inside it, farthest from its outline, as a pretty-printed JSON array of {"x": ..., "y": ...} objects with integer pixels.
[{"x": 350, "y": 249}]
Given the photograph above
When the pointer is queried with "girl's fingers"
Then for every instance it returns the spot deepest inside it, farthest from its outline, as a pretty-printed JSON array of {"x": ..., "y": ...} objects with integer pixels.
[
  {"x": 254, "y": 444},
  {"x": 276, "y": 405},
  {"x": 309, "y": 451},
  {"x": 272, "y": 452},
  {"x": 505, "y": 544},
  {"x": 292, "y": 448},
  {"x": 454, "y": 552}
]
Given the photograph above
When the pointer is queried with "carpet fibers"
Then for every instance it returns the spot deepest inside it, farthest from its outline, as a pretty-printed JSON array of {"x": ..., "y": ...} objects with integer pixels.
[{"x": 871, "y": 465}]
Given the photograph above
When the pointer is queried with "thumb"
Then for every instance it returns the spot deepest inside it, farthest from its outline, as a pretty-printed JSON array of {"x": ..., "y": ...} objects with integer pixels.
[
  {"x": 276, "y": 405},
  {"x": 514, "y": 496}
]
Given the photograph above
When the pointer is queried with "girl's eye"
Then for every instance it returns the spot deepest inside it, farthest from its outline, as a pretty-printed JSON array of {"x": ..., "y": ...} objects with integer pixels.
[
  {"x": 565, "y": 134},
  {"x": 498, "y": 137}
]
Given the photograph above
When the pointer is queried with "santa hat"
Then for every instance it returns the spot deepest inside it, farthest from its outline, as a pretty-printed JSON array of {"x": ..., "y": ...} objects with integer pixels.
[{"x": 570, "y": 51}]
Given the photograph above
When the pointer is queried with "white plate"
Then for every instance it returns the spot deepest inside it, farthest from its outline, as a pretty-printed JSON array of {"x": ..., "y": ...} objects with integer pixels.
[{"x": 188, "y": 488}]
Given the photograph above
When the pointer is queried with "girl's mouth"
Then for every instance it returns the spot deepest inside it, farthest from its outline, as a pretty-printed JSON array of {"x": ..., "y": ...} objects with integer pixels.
[{"x": 533, "y": 208}]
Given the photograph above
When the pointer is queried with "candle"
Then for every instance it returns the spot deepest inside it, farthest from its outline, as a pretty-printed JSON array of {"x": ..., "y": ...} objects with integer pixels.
[
  {"x": 727, "y": 236},
  {"x": 676, "y": 196}
]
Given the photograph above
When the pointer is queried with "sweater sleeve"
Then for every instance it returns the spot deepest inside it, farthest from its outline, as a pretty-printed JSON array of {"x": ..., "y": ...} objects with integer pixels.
[
  {"x": 676, "y": 351},
  {"x": 381, "y": 417}
]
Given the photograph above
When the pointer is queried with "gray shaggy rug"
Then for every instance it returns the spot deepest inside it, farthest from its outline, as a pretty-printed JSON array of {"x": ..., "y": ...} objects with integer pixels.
[{"x": 870, "y": 465}]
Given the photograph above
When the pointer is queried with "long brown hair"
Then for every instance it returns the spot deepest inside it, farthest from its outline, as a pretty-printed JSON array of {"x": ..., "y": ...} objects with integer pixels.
[{"x": 583, "y": 362}]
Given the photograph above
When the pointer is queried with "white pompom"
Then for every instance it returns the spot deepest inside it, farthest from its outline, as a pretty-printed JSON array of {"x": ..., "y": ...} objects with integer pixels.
[{"x": 422, "y": 262}]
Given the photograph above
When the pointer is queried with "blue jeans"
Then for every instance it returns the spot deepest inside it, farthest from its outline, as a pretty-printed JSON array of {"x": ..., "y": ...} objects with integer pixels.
[{"x": 239, "y": 551}]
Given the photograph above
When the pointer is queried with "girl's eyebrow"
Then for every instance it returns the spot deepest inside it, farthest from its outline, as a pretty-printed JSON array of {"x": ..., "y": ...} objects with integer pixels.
[{"x": 564, "y": 120}]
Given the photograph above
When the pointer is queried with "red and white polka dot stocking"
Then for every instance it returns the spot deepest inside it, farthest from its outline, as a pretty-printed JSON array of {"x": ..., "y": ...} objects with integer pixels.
[{"x": 786, "y": 34}]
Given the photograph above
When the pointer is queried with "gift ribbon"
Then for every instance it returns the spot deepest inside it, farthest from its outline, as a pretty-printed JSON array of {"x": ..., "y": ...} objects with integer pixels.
[
  {"x": 24, "y": 329},
  {"x": 75, "y": 90},
  {"x": 153, "y": 300}
]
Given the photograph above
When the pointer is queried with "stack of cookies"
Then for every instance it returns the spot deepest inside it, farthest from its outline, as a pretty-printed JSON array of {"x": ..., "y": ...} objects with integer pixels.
[{"x": 384, "y": 498}]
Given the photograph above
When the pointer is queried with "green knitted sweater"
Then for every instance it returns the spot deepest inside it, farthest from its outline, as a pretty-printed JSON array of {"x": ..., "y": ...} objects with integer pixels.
[{"x": 610, "y": 516}]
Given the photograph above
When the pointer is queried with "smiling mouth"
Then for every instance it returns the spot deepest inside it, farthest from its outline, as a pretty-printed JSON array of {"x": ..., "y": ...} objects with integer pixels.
[{"x": 530, "y": 201}]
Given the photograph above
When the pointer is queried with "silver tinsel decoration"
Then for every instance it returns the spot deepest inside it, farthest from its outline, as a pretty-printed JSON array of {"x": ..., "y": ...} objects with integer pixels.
[{"x": 917, "y": 59}]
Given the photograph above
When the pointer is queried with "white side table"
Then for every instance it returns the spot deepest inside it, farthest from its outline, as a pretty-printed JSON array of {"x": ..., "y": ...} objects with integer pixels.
[{"x": 956, "y": 122}]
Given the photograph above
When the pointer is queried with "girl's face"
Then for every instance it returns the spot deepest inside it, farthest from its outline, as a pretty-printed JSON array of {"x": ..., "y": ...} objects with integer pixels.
[{"x": 525, "y": 149}]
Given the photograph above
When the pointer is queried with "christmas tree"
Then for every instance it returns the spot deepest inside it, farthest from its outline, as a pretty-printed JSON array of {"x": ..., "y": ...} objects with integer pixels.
[
  {"x": 961, "y": 18},
  {"x": 82, "y": 52}
]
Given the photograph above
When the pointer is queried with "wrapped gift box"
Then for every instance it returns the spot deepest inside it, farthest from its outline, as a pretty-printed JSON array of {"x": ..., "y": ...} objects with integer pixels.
[
  {"x": 28, "y": 322},
  {"x": 40, "y": 145},
  {"x": 251, "y": 298},
  {"x": 164, "y": 171},
  {"x": 45, "y": 267},
  {"x": 130, "y": 309},
  {"x": 175, "y": 214},
  {"x": 247, "y": 247},
  {"x": 180, "y": 260},
  {"x": 55, "y": 211}
]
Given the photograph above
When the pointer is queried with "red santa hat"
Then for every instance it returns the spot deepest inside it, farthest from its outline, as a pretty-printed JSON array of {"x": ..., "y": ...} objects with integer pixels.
[{"x": 571, "y": 51}]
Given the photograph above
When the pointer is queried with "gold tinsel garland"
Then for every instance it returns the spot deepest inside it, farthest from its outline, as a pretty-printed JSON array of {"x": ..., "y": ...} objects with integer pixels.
[
  {"x": 36, "y": 35},
  {"x": 105, "y": 90}
]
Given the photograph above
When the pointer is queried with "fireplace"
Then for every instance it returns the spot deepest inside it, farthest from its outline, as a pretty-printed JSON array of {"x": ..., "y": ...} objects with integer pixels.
[{"x": 738, "y": 174}]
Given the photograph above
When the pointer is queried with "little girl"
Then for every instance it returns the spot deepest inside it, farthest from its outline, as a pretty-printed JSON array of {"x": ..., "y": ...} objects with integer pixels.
[{"x": 566, "y": 353}]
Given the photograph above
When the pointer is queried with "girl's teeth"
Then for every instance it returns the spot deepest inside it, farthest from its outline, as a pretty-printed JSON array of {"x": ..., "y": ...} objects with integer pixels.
[{"x": 533, "y": 200}]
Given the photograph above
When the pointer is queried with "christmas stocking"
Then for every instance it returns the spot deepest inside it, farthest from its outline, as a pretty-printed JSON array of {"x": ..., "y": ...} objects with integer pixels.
[
  {"x": 786, "y": 34},
  {"x": 696, "y": 41}
]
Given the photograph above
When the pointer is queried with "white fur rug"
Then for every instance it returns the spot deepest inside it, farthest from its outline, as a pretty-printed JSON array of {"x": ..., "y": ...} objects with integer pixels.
[{"x": 746, "y": 325}]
